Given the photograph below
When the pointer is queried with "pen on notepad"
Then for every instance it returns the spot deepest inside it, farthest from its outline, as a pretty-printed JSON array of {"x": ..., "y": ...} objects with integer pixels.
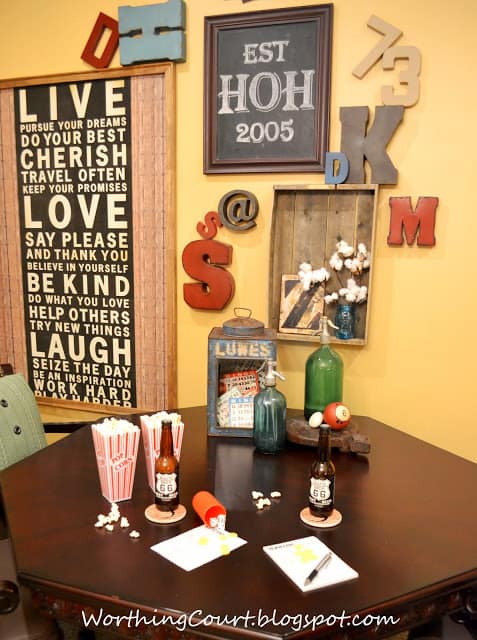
[{"x": 322, "y": 563}]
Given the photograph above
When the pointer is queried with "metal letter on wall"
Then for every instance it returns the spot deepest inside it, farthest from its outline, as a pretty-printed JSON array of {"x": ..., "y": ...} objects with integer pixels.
[
  {"x": 103, "y": 24},
  {"x": 405, "y": 219},
  {"x": 152, "y": 32},
  {"x": 357, "y": 144},
  {"x": 87, "y": 249}
]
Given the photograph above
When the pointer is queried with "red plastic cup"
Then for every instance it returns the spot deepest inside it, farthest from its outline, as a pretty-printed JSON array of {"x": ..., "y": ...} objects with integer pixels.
[{"x": 209, "y": 509}]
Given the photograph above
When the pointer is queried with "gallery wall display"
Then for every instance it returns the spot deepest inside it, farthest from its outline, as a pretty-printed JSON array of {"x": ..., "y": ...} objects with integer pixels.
[
  {"x": 267, "y": 90},
  {"x": 88, "y": 235}
]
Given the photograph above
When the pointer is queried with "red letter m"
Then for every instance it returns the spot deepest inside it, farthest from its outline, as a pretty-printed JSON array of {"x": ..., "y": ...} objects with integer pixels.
[{"x": 403, "y": 216}]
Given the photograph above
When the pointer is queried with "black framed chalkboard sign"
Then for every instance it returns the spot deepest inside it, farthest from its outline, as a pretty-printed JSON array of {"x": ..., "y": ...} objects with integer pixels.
[{"x": 267, "y": 90}]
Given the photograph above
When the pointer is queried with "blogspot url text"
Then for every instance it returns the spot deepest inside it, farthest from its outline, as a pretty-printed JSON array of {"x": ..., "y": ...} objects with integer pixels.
[{"x": 249, "y": 620}]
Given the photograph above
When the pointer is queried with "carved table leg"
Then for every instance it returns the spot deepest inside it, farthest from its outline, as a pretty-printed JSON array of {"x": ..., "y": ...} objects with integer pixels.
[{"x": 430, "y": 631}]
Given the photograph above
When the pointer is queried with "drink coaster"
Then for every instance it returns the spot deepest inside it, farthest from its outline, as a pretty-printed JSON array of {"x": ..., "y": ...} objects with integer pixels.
[
  {"x": 315, "y": 521},
  {"x": 153, "y": 514}
]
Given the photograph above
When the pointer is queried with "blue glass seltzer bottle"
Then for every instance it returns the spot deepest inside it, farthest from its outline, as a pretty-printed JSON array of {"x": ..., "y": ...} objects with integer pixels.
[{"x": 269, "y": 414}]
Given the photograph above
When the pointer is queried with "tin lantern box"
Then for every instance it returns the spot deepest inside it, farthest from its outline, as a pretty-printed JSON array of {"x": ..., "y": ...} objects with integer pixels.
[{"x": 237, "y": 352}]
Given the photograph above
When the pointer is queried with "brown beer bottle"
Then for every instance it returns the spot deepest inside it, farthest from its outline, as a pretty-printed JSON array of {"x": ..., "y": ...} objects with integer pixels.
[
  {"x": 167, "y": 472},
  {"x": 322, "y": 477}
]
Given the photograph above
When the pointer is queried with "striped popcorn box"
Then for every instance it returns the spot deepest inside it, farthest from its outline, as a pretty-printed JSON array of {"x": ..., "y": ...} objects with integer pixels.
[
  {"x": 151, "y": 427},
  {"x": 116, "y": 443}
]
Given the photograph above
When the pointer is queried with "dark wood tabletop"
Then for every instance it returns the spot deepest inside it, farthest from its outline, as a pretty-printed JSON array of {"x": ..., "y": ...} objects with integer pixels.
[{"x": 409, "y": 529}]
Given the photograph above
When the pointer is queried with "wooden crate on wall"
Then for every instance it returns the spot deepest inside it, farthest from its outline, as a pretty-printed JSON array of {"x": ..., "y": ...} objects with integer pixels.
[{"x": 307, "y": 222}]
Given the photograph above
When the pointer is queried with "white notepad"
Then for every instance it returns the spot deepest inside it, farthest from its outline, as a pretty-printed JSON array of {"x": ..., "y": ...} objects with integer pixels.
[
  {"x": 198, "y": 546},
  {"x": 297, "y": 559}
]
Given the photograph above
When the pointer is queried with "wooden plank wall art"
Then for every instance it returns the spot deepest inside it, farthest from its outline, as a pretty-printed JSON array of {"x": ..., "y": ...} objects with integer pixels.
[
  {"x": 88, "y": 236},
  {"x": 307, "y": 223}
]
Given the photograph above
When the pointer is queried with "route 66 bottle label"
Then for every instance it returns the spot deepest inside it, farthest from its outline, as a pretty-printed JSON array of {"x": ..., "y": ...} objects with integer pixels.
[
  {"x": 322, "y": 478},
  {"x": 167, "y": 472}
]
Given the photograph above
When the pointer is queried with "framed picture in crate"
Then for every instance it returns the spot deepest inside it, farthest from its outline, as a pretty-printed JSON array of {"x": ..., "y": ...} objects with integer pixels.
[{"x": 321, "y": 260}]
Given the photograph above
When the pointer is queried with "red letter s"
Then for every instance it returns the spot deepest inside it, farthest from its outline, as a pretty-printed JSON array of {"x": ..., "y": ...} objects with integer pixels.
[{"x": 216, "y": 286}]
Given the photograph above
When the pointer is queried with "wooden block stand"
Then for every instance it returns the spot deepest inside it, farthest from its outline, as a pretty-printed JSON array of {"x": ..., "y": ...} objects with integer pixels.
[{"x": 346, "y": 440}]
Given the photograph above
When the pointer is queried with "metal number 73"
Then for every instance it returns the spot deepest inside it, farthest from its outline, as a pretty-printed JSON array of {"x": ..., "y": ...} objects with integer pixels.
[{"x": 384, "y": 49}]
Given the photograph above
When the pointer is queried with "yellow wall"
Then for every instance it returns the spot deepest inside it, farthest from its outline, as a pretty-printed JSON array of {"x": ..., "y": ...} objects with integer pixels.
[{"x": 417, "y": 370}]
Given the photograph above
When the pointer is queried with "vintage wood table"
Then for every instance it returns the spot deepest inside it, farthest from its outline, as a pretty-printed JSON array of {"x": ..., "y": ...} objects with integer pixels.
[{"x": 409, "y": 528}]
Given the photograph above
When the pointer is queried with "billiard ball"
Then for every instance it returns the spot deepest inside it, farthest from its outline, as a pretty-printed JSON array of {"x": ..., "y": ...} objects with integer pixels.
[{"x": 337, "y": 415}]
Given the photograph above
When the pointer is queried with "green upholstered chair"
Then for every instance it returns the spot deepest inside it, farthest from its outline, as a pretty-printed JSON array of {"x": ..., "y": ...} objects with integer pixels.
[
  {"x": 21, "y": 428},
  {"x": 21, "y": 434}
]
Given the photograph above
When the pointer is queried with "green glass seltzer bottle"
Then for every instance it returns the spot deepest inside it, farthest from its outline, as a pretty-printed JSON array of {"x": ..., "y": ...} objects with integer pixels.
[{"x": 323, "y": 375}]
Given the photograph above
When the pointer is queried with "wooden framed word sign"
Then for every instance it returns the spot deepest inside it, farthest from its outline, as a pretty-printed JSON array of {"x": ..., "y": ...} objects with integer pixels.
[
  {"x": 267, "y": 90},
  {"x": 87, "y": 236}
]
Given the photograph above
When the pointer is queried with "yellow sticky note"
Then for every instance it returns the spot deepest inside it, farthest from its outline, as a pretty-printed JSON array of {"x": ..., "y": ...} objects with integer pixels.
[{"x": 306, "y": 555}]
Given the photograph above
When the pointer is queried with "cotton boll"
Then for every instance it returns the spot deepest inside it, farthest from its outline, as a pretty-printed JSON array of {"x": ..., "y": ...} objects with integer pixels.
[
  {"x": 315, "y": 276},
  {"x": 354, "y": 288},
  {"x": 345, "y": 249},
  {"x": 336, "y": 262},
  {"x": 331, "y": 297},
  {"x": 320, "y": 275},
  {"x": 362, "y": 295},
  {"x": 306, "y": 281}
]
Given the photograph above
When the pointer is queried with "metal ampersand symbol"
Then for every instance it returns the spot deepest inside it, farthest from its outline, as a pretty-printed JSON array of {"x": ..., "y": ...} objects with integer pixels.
[{"x": 238, "y": 210}]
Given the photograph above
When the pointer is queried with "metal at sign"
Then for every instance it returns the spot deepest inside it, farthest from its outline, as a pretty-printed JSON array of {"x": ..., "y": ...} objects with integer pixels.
[{"x": 238, "y": 210}]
